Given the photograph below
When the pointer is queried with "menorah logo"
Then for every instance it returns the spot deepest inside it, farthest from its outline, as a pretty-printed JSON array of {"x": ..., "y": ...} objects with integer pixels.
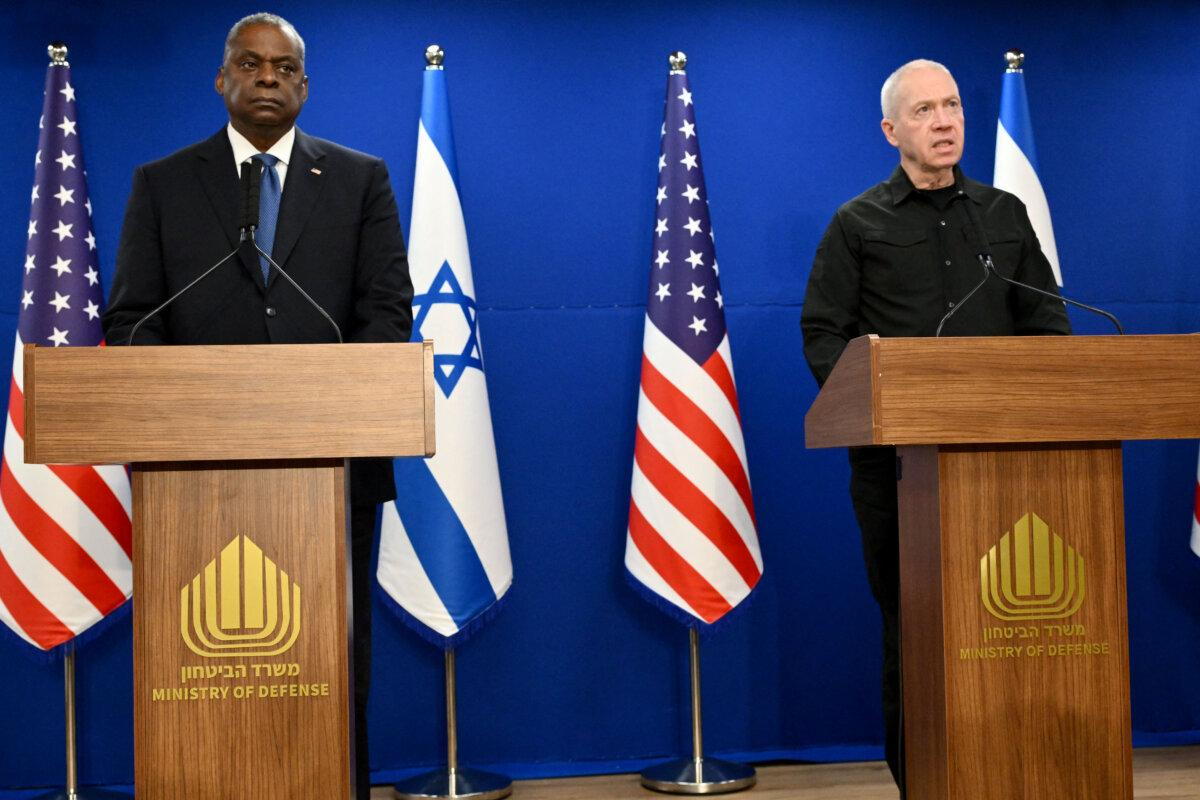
[
  {"x": 241, "y": 604},
  {"x": 1031, "y": 574}
]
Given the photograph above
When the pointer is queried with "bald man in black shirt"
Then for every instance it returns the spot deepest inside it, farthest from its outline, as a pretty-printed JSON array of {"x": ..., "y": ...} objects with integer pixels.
[{"x": 894, "y": 261}]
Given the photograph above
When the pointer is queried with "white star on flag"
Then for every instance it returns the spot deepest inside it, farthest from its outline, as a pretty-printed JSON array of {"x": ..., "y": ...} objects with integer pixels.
[
  {"x": 686, "y": 97},
  {"x": 688, "y": 160},
  {"x": 29, "y": 265},
  {"x": 697, "y": 293},
  {"x": 662, "y": 227},
  {"x": 688, "y": 130},
  {"x": 68, "y": 93},
  {"x": 698, "y": 325},
  {"x": 695, "y": 259},
  {"x": 68, "y": 127},
  {"x": 66, "y": 160},
  {"x": 693, "y": 225},
  {"x": 92, "y": 310},
  {"x": 27, "y": 299},
  {"x": 92, "y": 276},
  {"x": 662, "y": 162},
  {"x": 32, "y": 228},
  {"x": 664, "y": 291},
  {"x": 692, "y": 193},
  {"x": 720, "y": 300},
  {"x": 34, "y": 195},
  {"x": 88, "y": 206},
  {"x": 60, "y": 302},
  {"x": 662, "y": 259},
  {"x": 64, "y": 196},
  {"x": 91, "y": 241},
  {"x": 662, "y": 194},
  {"x": 61, "y": 265},
  {"x": 58, "y": 337}
]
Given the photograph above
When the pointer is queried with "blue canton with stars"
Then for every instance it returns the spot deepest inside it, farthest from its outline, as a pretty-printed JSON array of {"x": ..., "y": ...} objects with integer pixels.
[
  {"x": 685, "y": 295},
  {"x": 448, "y": 368},
  {"x": 61, "y": 295}
]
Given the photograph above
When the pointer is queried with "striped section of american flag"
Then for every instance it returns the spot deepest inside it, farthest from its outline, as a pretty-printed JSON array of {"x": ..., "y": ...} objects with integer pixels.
[
  {"x": 65, "y": 531},
  {"x": 691, "y": 538}
]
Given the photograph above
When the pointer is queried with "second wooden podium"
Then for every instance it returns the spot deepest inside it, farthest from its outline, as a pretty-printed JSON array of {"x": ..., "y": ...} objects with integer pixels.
[
  {"x": 1012, "y": 545},
  {"x": 242, "y": 686}
]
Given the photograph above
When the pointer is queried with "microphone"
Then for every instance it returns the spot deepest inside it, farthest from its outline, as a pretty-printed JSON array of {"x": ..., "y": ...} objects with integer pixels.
[
  {"x": 985, "y": 258},
  {"x": 954, "y": 309},
  {"x": 250, "y": 224},
  {"x": 247, "y": 187}
]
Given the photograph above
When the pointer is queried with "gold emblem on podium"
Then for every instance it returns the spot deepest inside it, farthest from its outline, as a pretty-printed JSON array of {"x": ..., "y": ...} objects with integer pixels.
[
  {"x": 241, "y": 604},
  {"x": 1031, "y": 574}
]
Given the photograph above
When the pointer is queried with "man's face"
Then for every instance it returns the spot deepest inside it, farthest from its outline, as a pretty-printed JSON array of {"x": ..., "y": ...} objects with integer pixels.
[
  {"x": 928, "y": 124},
  {"x": 263, "y": 81}
]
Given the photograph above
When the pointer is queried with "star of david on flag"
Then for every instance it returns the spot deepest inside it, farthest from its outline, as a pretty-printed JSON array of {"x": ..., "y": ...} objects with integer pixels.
[
  {"x": 65, "y": 531},
  {"x": 443, "y": 553},
  {"x": 691, "y": 541}
]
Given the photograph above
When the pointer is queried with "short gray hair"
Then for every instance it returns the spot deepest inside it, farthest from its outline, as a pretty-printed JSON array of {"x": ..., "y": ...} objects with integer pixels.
[
  {"x": 262, "y": 18},
  {"x": 887, "y": 95}
]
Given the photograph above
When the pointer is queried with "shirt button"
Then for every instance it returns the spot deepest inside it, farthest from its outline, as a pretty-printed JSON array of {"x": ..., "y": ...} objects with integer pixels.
[
  {"x": 942, "y": 223},
  {"x": 271, "y": 311},
  {"x": 950, "y": 305},
  {"x": 947, "y": 262}
]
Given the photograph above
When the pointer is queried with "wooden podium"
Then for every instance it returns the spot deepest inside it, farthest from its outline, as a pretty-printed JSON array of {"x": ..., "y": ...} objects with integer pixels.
[
  {"x": 1012, "y": 545},
  {"x": 242, "y": 686}
]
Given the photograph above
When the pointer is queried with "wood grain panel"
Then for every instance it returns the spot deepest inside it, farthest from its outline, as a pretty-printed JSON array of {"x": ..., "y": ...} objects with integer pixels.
[
  {"x": 1033, "y": 707},
  {"x": 157, "y": 404},
  {"x": 847, "y": 408},
  {"x": 276, "y": 742},
  {"x": 1011, "y": 389}
]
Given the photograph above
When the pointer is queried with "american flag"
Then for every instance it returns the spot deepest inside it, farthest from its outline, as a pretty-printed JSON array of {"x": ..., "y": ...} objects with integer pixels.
[
  {"x": 691, "y": 537},
  {"x": 65, "y": 538}
]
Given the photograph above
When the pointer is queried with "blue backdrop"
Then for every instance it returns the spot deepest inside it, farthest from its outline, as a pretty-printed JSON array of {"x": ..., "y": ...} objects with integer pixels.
[{"x": 557, "y": 108}]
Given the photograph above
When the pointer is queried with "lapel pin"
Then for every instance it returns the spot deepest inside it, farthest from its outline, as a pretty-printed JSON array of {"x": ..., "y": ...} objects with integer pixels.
[{"x": 315, "y": 171}]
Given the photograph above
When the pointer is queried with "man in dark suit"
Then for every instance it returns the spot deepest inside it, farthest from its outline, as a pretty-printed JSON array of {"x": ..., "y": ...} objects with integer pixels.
[{"x": 335, "y": 231}]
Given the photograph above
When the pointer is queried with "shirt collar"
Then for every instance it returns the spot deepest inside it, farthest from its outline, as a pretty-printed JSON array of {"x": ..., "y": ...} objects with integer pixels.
[
  {"x": 243, "y": 150},
  {"x": 901, "y": 186}
]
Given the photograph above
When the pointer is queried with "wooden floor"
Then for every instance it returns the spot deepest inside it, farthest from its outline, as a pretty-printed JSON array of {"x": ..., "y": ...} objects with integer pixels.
[{"x": 1168, "y": 773}]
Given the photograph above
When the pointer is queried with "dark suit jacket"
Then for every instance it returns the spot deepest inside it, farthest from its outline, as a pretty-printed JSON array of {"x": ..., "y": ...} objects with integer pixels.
[{"x": 338, "y": 236}]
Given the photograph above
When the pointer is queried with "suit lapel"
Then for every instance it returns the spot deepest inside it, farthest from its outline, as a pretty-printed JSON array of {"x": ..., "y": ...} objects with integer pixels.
[
  {"x": 214, "y": 165},
  {"x": 300, "y": 192}
]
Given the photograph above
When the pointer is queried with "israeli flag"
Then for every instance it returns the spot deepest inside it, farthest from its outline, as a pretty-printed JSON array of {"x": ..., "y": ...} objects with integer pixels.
[
  {"x": 1016, "y": 161},
  {"x": 443, "y": 552}
]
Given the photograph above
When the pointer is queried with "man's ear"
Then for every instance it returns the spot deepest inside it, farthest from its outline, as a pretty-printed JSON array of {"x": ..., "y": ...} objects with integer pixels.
[
  {"x": 304, "y": 91},
  {"x": 889, "y": 131},
  {"x": 219, "y": 83}
]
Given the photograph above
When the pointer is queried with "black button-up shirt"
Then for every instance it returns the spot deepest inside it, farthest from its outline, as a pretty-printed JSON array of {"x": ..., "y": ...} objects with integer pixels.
[{"x": 895, "y": 259}]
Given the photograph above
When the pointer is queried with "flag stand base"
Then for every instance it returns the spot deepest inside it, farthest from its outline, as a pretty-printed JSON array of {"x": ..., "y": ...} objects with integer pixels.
[
  {"x": 85, "y": 794},
  {"x": 466, "y": 783},
  {"x": 699, "y": 776}
]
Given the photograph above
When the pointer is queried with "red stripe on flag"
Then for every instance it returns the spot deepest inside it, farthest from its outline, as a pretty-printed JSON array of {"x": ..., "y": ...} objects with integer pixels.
[
  {"x": 719, "y": 372},
  {"x": 673, "y": 568},
  {"x": 696, "y": 507},
  {"x": 34, "y": 618},
  {"x": 98, "y": 496},
  {"x": 691, "y": 420},
  {"x": 16, "y": 407},
  {"x": 56, "y": 545}
]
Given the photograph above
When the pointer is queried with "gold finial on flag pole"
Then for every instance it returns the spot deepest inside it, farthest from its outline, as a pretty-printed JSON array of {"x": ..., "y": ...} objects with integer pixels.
[
  {"x": 58, "y": 54},
  {"x": 678, "y": 61},
  {"x": 434, "y": 56},
  {"x": 1015, "y": 59}
]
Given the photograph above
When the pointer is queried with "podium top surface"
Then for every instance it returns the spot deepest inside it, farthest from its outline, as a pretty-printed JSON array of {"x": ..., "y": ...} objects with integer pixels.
[
  {"x": 898, "y": 391},
  {"x": 95, "y": 405}
]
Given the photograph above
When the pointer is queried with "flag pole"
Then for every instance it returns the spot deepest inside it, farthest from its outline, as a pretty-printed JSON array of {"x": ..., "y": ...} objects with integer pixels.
[
  {"x": 698, "y": 775},
  {"x": 453, "y": 782},
  {"x": 72, "y": 791}
]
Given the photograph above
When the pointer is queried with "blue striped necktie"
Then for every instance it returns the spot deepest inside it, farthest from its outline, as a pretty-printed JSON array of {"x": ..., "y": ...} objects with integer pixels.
[{"x": 268, "y": 209}]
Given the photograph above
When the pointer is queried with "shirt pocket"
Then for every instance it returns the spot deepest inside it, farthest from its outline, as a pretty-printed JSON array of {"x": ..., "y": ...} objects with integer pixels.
[
  {"x": 1006, "y": 250},
  {"x": 897, "y": 259}
]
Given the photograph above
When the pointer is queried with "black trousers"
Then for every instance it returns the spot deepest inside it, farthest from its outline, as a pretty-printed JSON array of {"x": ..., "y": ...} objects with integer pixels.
[
  {"x": 362, "y": 535},
  {"x": 873, "y": 493}
]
